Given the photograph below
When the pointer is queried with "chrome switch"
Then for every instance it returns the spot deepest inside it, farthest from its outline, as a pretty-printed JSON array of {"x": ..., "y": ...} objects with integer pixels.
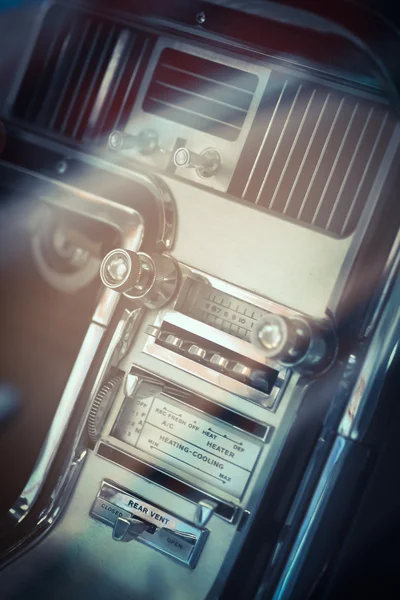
[
  {"x": 146, "y": 141},
  {"x": 206, "y": 163},
  {"x": 125, "y": 530},
  {"x": 204, "y": 511}
]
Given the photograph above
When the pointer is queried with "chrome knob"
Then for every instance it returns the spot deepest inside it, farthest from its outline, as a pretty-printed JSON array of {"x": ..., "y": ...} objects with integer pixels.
[
  {"x": 121, "y": 270},
  {"x": 296, "y": 342},
  {"x": 206, "y": 163},
  {"x": 149, "y": 280},
  {"x": 146, "y": 141}
]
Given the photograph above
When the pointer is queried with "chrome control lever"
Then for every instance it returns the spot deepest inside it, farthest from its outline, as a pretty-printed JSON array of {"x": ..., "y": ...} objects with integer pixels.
[
  {"x": 125, "y": 530},
  {"x": 206, "y": 163},
  {"x": 204, "y": 511},
  {"x": 149, "y": 280},
  {"x": 145, "y": 142}
]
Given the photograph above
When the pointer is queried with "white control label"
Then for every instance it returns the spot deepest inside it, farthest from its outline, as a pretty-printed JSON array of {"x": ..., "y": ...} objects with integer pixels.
[{"x": 210, "y": 450}]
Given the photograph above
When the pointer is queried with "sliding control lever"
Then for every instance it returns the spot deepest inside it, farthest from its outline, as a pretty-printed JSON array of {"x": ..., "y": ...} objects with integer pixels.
[
  {"x": 150, "y": 280},
  {"x": 206, "y": 163},
  {"x": 127, "y": 529},
  {"x": 296, "y": 342}
]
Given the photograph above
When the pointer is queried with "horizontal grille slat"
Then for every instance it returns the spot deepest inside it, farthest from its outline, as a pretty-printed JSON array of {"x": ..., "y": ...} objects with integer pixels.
[
  {"x": 221, "y": 91},
  {"x": 179, "y": 114},
  {"x": 197, "y": 104},
  {"x": 310, "y": 154},
  {"x": 83, "y": 75},
  {"x": 200, "y": 94}
]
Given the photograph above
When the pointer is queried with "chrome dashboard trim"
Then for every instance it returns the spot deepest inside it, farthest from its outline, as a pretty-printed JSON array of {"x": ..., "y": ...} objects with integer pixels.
[
  {"x": 220, "y": 380},
  {"x": 114, "y": 497},
  {"x": 60, "y": 422},
  {"x": 311, "y": 520},
  {"x": 233, "y": 290},
  {"x": 383, "y": 347},
  {"x": 217, "y": 336},
  {"x": 122, "y": 457},
  {"x": 131, "y": 227},
  {"x": 179, "y": 394}
]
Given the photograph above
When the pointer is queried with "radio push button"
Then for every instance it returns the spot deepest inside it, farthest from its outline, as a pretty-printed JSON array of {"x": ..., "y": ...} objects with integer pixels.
[
  {"x": 217, "y": 361},
  {"x": 173, "y": 342},
  {"x": 196, "y": 353},
  {"x": 238, "y": 370}
]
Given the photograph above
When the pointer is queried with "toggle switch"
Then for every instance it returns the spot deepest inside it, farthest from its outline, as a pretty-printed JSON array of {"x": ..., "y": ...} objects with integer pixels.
[
  {"x": 206, "y": 163},
  {"x": 145, "y": 142},
  {"x": 203, "y": 512}
]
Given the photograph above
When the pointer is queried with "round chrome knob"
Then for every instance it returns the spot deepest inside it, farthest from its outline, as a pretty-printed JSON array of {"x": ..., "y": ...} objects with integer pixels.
[
  {"x": 272, "y": 333},
  {"x": 296, "y": 342},
  {"x": 121, "y": 270},
  {"x": 206, "y": 163},
  {"x": 149, "y": 280},
  {"x": 116, "y": 140}
]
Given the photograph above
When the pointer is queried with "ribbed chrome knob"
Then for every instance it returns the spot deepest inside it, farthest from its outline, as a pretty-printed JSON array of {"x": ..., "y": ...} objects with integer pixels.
[
  {"x": 121, "y": 270},
  {"x": 296, "y": 342},
  {"x": 149, "y": 280}
]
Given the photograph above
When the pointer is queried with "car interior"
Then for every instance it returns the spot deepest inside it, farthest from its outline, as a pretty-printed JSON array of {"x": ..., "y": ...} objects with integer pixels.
[{"x": 199, "y": 234}]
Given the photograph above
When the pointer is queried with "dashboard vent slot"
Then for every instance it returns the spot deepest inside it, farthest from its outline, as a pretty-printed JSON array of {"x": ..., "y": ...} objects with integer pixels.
[
  {"x": 82, "y": 77},
  {"x": 313, "y": 154},
  {"x": 200, "y": 94}
]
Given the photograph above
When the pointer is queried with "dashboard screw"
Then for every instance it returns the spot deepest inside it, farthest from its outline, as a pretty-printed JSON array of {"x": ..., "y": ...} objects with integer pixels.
[
  {"x": 61, "y": 167},
  {"x": 201, "y": 18}
]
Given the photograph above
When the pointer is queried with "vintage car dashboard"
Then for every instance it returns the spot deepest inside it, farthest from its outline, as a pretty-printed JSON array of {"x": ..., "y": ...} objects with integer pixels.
[{"x": 238, "y": 183}]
